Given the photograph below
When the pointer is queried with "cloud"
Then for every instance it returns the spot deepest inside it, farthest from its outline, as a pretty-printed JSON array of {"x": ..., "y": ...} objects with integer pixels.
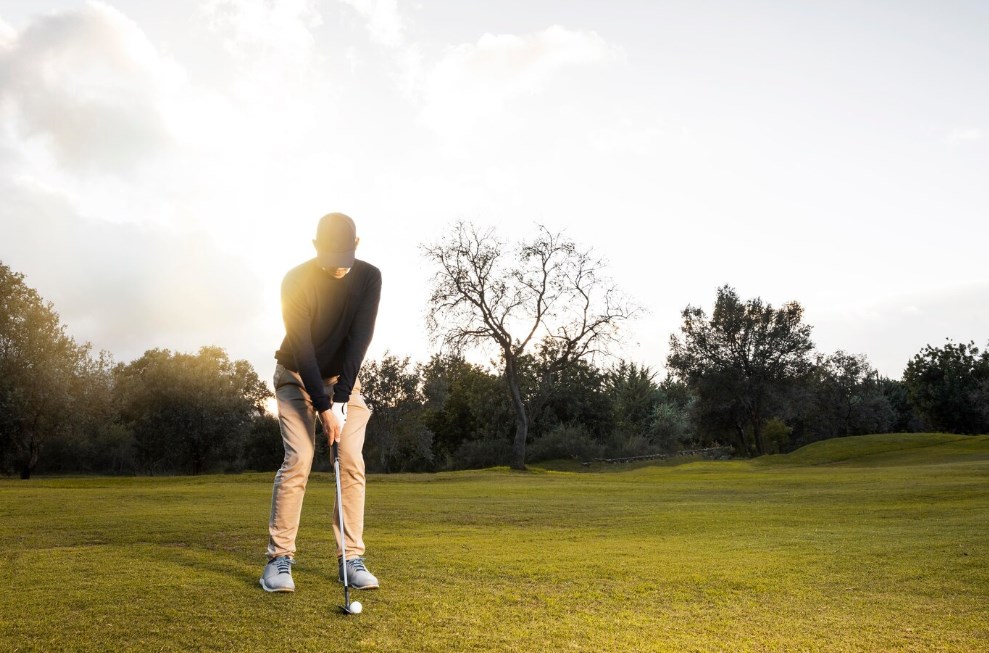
[
  {"x": 147, "y": 202},
  {"x": 892, "y": 330},
  {"x": 476, "y": 81},
  {"x": 966, "y": 135},
  {"x": 125, "y": 287},
  {"x": 385, "y": 25},
  {"x": 272, "y": 82},
  {"x": 251, "y": 29},
  {"x": 89, "y": 107},
  {"x": 623, "y": 137},
  {"x": 89, "y": 86},
  {"x": 7, "y": 34}
]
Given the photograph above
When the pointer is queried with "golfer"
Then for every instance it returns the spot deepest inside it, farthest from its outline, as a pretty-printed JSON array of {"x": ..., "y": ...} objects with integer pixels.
[{"x": 329, "y": 304}]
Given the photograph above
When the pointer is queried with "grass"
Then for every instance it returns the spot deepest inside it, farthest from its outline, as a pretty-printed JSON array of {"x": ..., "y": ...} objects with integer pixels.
[{"x": 875, "y": 543}]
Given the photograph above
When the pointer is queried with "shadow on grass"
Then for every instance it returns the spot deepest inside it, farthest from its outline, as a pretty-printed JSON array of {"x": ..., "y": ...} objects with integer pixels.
[{"x": 203, "y": 562}]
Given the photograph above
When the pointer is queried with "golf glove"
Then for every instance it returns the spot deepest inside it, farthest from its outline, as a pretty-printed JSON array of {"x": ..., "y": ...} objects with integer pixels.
[{"x": 339, "y": 410}]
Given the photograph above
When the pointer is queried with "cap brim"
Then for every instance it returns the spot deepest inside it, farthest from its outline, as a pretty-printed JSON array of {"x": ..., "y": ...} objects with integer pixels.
[{"x": 336, "y": 259}]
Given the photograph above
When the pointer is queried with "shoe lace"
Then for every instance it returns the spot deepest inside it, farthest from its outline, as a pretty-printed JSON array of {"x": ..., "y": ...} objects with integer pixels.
[
  {"x": 284, "y": 565},
  {"x": 357, "y": 564}
]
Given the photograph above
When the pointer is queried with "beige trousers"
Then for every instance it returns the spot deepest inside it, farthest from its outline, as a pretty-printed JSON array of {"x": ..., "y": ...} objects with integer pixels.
[{"x": 297, "y": 419}]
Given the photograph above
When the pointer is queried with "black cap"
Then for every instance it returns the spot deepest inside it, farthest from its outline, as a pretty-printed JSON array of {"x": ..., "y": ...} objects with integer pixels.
[{"x": 336, "y": 241}]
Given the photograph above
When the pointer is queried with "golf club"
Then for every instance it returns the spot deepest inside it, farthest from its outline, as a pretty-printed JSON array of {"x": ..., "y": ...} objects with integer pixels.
[{"x": 347, "y": 607}]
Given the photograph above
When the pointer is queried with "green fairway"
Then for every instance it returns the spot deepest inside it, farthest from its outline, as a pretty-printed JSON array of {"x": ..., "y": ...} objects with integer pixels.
[{"x": 876, "y": 543}]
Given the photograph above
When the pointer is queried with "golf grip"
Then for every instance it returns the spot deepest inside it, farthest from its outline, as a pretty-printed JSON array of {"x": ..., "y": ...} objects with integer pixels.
[{"x": 343, "y": 535}]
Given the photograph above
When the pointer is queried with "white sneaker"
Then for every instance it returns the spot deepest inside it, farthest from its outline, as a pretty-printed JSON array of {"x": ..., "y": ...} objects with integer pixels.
[{"x": 277, "y": 576}]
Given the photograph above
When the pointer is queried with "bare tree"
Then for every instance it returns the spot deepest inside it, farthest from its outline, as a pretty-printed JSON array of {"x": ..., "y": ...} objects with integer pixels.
[{"x": 546, "y": 288}]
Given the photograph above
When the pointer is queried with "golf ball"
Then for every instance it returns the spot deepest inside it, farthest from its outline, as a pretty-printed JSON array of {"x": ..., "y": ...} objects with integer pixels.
[{"x": 356, "y": 607}]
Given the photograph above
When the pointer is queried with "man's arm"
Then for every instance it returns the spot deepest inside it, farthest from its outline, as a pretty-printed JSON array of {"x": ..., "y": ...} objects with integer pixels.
[
  {"x": 298, "y": 316},
  {"x": 359, "y": 338}
]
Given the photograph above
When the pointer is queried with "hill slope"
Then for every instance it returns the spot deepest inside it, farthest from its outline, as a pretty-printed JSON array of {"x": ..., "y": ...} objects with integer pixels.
[{"x": 887, "y": 449}]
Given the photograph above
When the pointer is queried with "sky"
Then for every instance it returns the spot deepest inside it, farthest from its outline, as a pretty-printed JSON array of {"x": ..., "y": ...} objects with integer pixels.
[{"x": 162, "y": 165}]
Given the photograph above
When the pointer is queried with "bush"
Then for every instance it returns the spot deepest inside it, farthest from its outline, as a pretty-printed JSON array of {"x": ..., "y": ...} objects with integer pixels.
[
  {"x": 401, "y": 446},
  {"x": 565, "y": 441},
  {"x": 629, "y": 446},
  {"x": 670, "y": 427},
  {"x": 777, "y": 435},
  {"x": 486, "y": 452}
]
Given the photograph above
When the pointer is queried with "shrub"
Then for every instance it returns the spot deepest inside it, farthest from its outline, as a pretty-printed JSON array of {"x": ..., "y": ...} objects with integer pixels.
[
  {"x": 486, "y": 452},
  {"x": 565, "y": 441},
  {"x": 777, "y": 435}
]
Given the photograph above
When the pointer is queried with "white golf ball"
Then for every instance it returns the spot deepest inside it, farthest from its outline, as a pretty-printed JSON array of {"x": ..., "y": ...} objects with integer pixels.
[{"x": 356, "y": 607}]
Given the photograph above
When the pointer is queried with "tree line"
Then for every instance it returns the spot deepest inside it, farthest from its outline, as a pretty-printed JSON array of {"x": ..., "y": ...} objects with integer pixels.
[
  {"x": 746, "y": 376},
  {"x": 65, "y": 408}
]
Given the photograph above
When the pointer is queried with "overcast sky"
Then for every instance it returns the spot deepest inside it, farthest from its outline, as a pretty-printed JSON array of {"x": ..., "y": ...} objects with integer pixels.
[{"x": 163, "y": 164}]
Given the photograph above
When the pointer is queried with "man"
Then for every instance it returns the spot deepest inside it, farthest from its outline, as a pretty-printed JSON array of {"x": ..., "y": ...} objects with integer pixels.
[{"x": 329, "y": 305}]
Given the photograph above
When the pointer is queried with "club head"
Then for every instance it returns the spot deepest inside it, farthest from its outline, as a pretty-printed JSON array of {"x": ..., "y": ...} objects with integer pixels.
[{"x": 354, "y": 607}]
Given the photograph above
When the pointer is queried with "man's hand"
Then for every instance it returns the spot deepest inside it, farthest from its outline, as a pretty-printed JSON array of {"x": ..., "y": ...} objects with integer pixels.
[{"x": 333, "y": 421}]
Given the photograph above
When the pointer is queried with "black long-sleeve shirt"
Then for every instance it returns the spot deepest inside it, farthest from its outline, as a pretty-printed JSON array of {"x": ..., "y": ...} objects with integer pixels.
[{"x": 328, "y": 326}]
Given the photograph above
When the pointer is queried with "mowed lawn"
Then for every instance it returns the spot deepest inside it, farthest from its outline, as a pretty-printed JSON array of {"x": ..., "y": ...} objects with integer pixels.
[{"x": 875, "y": 543}]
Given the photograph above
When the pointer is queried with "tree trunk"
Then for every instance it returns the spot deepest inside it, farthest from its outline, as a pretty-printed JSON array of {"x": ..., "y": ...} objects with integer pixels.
[
  {"x": 521, "y": 419},
  {"x": 846, "y": 426},
  {"x": 755, "y": 417},
  {"x": 32, "y": 458},
  {"x": 741, "y": 441},
  {"x": 760, "y": 441}
]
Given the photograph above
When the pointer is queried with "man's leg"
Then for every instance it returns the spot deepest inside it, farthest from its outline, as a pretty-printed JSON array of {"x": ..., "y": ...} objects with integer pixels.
[
  {"x": 352, "y": 482},
  {"x": 352, "y": 479},
  {"x": 296, "y": 419}
]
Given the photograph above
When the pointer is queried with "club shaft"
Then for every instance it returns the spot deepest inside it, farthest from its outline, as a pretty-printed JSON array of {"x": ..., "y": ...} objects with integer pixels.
[{"x": 343, "y": 533}]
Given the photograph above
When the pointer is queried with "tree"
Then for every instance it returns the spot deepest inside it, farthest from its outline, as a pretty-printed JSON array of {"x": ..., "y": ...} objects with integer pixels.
[
  {"x": 671, "y": 427},
  {"x": 847, "y": 398},
  {"x": 485, "y": 293},
  {"x": 467, "y": 411},
  {"x": 647, "y": 416},
  {"x": 634, "y": 395},
  {"x": 740, "y": 359},
  {"x": 397, "y": 438},
  {"x": 905, "y": 418},
  {"x": 565, "y": 391},
  {"x": 947, "y": 387},
  {"x": 190, "y": 412},
  {"x": 95, "y": 439},
  {"x": 38, "y": 363},
  {"x": 263, "y": 448}
]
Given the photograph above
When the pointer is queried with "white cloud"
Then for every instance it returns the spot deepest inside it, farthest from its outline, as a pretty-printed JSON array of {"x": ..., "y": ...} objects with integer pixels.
[
  {"x": 410, "y": 65},
  {"x": 626, "y": 138},
  {"x": 89, "y": 107},
  {"x": 88, "y": 85},
  {"x": 125, "y": 287},
  {"x": 92, "y": 111},
  {"x": 273, "y": 29},
  {"x": 160, "y": 195},
  {"x": 274, "y": 79},
  {"x": 967, "y": 134},
  {"x": 385, "y": 24},
  {"x": 476, "y": 81},
  {"x": 7, "y": 34}
]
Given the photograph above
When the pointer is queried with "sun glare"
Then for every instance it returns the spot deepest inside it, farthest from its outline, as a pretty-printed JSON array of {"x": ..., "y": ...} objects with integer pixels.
[{"x": 271, "y": 405}]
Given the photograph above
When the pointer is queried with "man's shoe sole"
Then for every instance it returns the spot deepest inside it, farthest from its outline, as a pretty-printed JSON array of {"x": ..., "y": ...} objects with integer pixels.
[
  {"x": 359, "y": 587},
  {"x": 283, "y": 589}
]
